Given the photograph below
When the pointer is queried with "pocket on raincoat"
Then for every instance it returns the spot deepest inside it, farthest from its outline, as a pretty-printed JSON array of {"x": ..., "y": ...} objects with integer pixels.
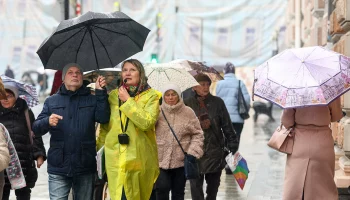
[
  {"x": 88, "y": 151},
  {"x": 55, "y": 154}
]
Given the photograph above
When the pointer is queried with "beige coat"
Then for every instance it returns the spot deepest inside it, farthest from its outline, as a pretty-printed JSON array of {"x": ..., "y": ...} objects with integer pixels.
[
  {"x": 188, "y": 130},
  {"x": 310, "y": 168}
]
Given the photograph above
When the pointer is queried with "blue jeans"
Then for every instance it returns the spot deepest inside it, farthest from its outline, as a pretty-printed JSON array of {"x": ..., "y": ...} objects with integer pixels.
[{"x": 82, "y": 185}]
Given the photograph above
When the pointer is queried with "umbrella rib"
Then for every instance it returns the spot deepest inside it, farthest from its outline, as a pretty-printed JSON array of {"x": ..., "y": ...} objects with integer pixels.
[
  {"x": 93, "y": 46},
  {"x": 106, "y": 29},
  {"x": 81, "y": 42},
  {"x": 104, "y": 48},
  {"x": 69, "y": 38}
]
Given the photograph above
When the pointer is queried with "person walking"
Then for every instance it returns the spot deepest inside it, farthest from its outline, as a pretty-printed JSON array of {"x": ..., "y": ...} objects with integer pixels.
[
  {"x": 70, "y": 116},
  {"x": 187, "y": 128},
  {"x": 227, "y": 90},
  {"x": 13, "y": 115},
  {"x": 309, "y": 169},
  {"x": 129, "y": 138},
  {"x": 216, "y": 124},
  {"x": 9, "y": 73}
]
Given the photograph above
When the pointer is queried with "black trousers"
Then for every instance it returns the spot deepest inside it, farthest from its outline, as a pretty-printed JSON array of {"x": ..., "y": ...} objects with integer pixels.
[
  {"x": 213, "y": 183},
  {"x": 171, "y": 180},
  {"x": 238, "y": 128},
  {"x": 21, "y": 194}
]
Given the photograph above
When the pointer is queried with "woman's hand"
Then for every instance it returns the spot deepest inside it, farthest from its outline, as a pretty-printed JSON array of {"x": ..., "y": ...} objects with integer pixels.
[
  {"x": 123, "y": 94},
  {"x": 39, "y": 161}
]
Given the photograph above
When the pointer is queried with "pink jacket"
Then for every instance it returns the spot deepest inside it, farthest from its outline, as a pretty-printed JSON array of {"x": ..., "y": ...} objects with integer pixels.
[{"x": 188, "y": 130}]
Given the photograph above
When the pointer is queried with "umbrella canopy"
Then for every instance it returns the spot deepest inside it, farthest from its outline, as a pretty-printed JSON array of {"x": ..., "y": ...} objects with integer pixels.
[
  {"x": 25, "y": 91},
  {"x": 160, "y": 76},
  {"x": 303, "y": 77},
  {"x": 112, "y": 76},
  {"x": 93, "y": 40},
  {"x": 198, "y": 67}
]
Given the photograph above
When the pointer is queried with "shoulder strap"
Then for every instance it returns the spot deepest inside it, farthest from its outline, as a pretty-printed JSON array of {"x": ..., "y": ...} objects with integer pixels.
[
  {"x": 173, "y": 132},
  {"x": 31, "y": 134}
]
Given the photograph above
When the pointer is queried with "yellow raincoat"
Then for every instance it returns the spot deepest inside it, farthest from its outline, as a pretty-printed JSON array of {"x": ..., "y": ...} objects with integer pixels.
[{"x": 133, "y": 166}]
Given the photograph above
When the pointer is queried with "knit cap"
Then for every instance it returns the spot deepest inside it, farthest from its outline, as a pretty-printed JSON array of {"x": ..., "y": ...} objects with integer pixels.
[
  {"x": 13, "y": 87},
  {"x": 171, "y": 86},
  {"x": 66, "y": 68}
]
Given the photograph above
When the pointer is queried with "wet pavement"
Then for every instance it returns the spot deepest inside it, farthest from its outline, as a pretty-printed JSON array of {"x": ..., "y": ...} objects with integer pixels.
[{"x": 266, "y": 166}]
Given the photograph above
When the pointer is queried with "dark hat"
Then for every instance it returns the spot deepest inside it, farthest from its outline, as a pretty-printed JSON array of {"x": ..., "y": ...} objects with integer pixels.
[
  {"x": 202, "y": 77},
  {"x": 229, "y": 68}
]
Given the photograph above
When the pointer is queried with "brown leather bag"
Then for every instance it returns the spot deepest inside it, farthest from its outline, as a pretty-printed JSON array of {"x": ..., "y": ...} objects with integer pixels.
[{"x": 282, "y": 140}]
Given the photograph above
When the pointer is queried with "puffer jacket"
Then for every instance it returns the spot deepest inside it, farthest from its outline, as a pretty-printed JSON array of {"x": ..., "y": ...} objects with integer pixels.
[
  {"x": 187, "y": 129},
  {"x": 15, "y": 122},
  {"x": 72, "y": 143},
  {"x": 227, "y": 90},
  {"x": 213, "y": 159}
]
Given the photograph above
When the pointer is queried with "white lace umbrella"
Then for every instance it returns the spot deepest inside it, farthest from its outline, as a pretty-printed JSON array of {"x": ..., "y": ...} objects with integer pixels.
[
  {"x": 303, "y": 77},
  {"x": 160, "y": 76}
]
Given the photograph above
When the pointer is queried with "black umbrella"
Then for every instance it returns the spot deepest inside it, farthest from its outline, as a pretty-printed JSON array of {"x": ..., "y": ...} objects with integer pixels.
[{"x": 93, "y": 40}]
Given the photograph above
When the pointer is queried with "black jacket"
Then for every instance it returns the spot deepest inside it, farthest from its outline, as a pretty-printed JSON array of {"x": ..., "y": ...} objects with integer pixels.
[
  {"x": 220, "y": 134},
  {"x": 73, "y": 141},
  {"x": 15, "y": 122}
]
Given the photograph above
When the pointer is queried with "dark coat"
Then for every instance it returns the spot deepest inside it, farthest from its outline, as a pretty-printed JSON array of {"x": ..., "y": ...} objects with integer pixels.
[
  {"x": 15, "y": 121},
  {"x": 220, "y": 132},
  {"x": 73, "y": 141}
]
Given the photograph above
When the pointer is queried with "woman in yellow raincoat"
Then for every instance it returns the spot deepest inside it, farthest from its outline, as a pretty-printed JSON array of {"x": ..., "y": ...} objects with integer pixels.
[{"x": 131, "y": 159}]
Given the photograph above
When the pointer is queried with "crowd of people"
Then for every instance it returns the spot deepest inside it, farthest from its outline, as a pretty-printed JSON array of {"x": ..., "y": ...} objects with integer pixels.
[{"x": 144, "y": 133}]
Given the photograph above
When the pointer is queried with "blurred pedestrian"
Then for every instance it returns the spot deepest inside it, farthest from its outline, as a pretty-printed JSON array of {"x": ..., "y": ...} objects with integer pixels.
[
  {"x": 310, "y": 168},
  {"x": 42, "y": 81},
  {"x": 216, "y": 124},
  {"x": 16, "y": 117},
  {"x": 70, "y": 116},
  {"x": 129, "y": 138},
  {"x": 9, "y": 73},
  {"x": 227, "y": 90},
  {"x": 187, "y": 128}
]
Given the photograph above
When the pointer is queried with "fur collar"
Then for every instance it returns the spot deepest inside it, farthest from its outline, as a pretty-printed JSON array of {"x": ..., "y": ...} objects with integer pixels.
[{"x": 172, "y": 109}]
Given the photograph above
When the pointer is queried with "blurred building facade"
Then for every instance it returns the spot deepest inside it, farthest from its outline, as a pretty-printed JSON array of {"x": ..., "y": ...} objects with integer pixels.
[{"x": 326, "y": 23}]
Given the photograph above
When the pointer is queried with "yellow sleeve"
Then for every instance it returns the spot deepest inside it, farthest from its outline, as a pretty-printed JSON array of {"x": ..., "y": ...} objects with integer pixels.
[
  {"x": 104, "y": 128},
  {"x": 144, "y": 117}
]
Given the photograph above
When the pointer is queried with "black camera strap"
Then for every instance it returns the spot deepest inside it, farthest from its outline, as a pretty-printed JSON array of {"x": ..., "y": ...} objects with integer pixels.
[{"x": 121, "y": 123}]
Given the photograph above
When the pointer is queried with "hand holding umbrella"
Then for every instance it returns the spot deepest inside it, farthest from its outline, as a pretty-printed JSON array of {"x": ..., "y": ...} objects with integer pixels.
[{"x": 100, "y": 83}]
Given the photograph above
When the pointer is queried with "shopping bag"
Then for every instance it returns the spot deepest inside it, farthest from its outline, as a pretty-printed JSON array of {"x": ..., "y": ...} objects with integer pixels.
[
  {"x": 100, "y": 158},
  {"x": 239, "y": 168}
]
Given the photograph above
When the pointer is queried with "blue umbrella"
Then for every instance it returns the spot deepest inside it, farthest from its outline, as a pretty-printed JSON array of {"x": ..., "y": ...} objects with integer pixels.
[{"x": 25, "y": 91}]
